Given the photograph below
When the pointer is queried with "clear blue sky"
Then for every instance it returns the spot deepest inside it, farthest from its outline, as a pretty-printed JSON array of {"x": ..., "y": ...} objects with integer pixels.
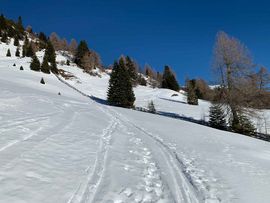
[{"x": 174, "y": 32}]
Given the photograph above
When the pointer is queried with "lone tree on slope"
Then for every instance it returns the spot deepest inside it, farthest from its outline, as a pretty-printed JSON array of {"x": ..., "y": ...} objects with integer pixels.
[{"x": 120, "y": 91}]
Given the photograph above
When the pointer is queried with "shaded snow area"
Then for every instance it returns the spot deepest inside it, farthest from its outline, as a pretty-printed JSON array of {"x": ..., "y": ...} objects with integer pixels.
[{"x": 70, "y": 148}]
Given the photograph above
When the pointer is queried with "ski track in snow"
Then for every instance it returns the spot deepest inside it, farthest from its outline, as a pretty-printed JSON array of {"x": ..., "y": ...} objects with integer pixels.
[
  {"x": 87, "y": 188},
  {"x": 183, "y": 186}
]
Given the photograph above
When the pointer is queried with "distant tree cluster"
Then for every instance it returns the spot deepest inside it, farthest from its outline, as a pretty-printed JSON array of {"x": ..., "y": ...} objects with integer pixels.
[{"x": 85, "y": 58}]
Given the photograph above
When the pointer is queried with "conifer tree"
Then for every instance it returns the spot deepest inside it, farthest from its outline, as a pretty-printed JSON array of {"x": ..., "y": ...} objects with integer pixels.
[
  {"x": 51, "y": 57},
  {"x": 242, "y": 125},
  {"x": 29, "y": 51},
  {"x": 120, "y": 91},
  {"x": 17, "y": 53},
  {"x": 169, "y": 81},
  {"x": 191, "y": 92},
  {"x": 132, "y": 71},
  {"x": 8, "y": 53},
  {"x": 21, "y": 68},
  {"x": 35, "y": 64},
  {"x": 20, "y": 25},
  {"x": 217, "y": 117},
  {"x": 68, "y": 63},
  {"x": 4, "y": 37},
  {"x": 42, "y": 81},
  {"x": 3, "y": 23},
  {"x": 45, "y": 68},
  {"x": 16, "y": 41},
  {"x": 82, "y": 49},
  {"x": 151, "y": 107}
]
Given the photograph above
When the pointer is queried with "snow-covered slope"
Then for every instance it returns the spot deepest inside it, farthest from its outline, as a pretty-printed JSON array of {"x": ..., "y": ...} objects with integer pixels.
[{"x": 69, "y": 148}]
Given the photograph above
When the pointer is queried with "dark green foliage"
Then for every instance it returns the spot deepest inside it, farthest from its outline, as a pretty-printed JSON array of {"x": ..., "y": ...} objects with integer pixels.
[
  {"x": 35, "y": 64},
  {"x": 59, "y": 93},
  {"x": 120, "y": 91},
  {"x": 42, "y": 37},
  {"x": 242, "y": 125},
  {"x": 42, "y": 81},
  {"x": 8, "y": 53},
  {"x": 3, "y": 23},
  {"x": 29, "y": 51},
  {"x": 14, "y": 64},
  {"x": 16, "y": 41},
  {"x": 82, "y": 49},
  {"x": 169, "y": 81},
  {"x": 45, "y": 68},
  {"x": 17, "y": 53},
  {"x": 217, "y": 117},
  {"x": 191, "y": 92},
  {"x": 4, "y": 37},
  {"x": 68, "y": 63},
  {"x": 151, "y": 107},
  {"x": 132, "y": 71},
  {"x": 20, "y": 25},
  {"x": 21, "y": 68},
  {"x": 51, "y": 57}
]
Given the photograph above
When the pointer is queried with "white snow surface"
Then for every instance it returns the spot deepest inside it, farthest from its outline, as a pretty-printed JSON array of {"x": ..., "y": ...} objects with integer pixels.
[{"x": 70, "y": 148}]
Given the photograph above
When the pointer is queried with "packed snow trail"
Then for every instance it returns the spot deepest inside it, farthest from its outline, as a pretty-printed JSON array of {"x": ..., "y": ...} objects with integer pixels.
[{"x": 181, "y": 185}]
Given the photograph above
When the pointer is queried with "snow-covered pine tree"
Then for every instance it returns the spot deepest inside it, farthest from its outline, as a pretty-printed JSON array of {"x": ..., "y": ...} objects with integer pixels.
[
  {"x": 217, "y": 117},
  {"x": 35, "y": 64},
  {"x": 120, "y": 92}
]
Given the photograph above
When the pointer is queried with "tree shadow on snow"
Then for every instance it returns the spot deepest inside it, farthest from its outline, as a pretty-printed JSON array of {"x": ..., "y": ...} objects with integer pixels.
[{"x": 171, "y": 100}]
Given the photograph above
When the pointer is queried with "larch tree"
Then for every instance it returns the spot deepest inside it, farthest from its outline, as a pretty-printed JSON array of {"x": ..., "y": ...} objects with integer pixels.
[{"x": 233, "y": 65}]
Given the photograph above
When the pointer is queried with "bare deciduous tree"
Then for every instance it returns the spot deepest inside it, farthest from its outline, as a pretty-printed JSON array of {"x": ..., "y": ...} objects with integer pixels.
[{"x": 233, "y": 66}]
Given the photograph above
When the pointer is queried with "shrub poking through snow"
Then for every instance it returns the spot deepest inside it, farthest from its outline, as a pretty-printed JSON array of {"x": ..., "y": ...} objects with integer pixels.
[
  {"x": 21, "y": 68},
  {"x": 68, "y": 63},
  {"x": 42, "y": 81},
  {"x": 151, "y": 107},
  {"x": 14, "y": 64}
]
